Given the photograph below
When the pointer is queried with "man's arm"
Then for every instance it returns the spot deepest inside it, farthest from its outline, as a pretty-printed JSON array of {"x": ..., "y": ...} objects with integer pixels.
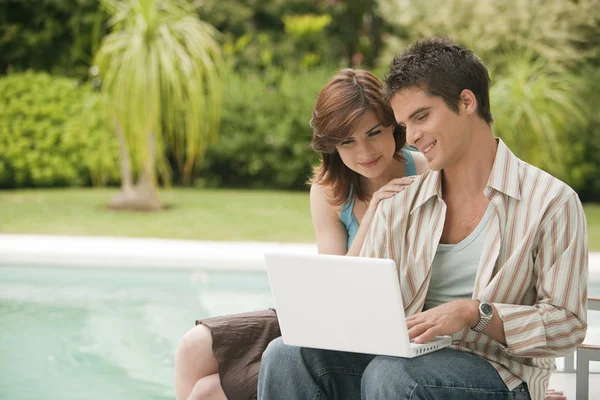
[
  {"x": 552, "y": 327},
  {"x": 557, "y": 323}
]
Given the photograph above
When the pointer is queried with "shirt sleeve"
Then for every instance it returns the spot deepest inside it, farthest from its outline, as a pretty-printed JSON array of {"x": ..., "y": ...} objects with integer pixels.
[{"x": 557, "y": 323}]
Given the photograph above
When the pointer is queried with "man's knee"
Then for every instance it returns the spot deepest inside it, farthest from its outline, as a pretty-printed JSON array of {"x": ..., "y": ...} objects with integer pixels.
[
  {"x": 279, "y": 353},
  {"x": 387, "y": 378}
]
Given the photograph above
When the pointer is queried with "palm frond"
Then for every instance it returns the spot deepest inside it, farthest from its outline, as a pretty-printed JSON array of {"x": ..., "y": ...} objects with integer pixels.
[{"x": 162, "y": 72}]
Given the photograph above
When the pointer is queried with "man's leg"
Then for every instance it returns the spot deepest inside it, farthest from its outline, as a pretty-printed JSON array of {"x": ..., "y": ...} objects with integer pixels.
[
  {"x": 445, "y": 375},
  {"x": 297, "y": 373}
]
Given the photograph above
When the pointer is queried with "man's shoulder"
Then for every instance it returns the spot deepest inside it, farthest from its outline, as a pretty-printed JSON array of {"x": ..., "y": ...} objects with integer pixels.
[
  {"x": 536, "y": 180},
  {"x": 407, "y": 198},
  {"x": 543, "y": 196}
]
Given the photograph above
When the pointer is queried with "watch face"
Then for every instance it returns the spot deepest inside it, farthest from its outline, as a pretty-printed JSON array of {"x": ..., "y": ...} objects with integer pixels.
[{"x": 486, "y": 308}]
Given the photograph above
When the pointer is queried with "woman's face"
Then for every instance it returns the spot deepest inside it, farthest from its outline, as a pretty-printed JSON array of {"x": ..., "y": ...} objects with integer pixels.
[{"x": 370, "y": 148}]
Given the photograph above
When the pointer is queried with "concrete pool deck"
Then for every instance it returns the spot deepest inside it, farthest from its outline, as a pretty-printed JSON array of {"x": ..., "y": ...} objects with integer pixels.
[{"x": 118, "y": 252}]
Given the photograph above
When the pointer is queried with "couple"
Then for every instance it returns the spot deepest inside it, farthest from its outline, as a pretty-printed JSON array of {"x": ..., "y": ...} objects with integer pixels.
[{"x": 489, "y": 249}]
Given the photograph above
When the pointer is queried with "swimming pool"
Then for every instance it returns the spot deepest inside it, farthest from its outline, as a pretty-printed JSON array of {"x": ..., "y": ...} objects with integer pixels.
[
  {"x": 86, "y": 333},
  {"x": 107, "y": 333}
]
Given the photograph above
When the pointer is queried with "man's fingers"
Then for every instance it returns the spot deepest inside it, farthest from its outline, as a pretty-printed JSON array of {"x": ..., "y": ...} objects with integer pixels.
[
  {"x": 428, "y": 335},
  {"x": 414, "y": 319},
  {"x": 418, "y": 329}
]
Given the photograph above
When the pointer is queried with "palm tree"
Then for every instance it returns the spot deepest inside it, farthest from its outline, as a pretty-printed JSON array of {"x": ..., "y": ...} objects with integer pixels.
[
  {"x": 532, "y": 104},
  {"x": 162, "y": 76}
]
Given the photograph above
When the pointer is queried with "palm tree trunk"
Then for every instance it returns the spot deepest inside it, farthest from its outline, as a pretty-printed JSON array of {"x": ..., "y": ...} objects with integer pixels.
[
  {"x": 126, "y": 175},
  {"x": 146, "y": 186},
  {"x": 127, "y": 195},
  {"x": 143, "y": 196}
]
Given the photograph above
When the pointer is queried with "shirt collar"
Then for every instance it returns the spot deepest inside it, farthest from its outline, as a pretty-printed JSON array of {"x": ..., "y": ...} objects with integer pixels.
[{"x": 504, "y": 178}]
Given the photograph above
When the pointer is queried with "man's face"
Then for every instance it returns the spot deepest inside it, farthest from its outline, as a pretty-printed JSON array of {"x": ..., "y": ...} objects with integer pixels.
[{"x": 431, "y": 126}]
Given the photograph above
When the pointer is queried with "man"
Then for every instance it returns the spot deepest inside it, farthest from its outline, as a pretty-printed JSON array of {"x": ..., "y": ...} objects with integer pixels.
[{"x": 489, "y": 249}]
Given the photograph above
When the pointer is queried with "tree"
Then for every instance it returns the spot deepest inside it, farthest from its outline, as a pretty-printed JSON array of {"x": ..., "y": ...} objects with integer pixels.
[
  {"x": 555, "y": 30},
  {"x": 58, "y": 36},
  {"x": 162, "y": 75}
]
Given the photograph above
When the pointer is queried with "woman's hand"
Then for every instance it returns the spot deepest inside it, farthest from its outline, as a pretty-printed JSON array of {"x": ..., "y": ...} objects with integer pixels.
[{"x": 391, "y": 188}]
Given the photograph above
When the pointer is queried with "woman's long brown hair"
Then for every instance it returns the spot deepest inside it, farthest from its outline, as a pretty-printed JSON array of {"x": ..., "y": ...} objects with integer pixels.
[{"x": 346, "y": 97}]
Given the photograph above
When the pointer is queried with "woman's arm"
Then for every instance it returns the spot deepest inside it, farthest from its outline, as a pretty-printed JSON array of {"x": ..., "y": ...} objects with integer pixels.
[{"x": 330, "y": 232}]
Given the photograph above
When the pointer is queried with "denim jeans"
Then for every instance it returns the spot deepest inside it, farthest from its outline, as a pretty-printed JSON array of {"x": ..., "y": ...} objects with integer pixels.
[{"x": 295, "y": 373}]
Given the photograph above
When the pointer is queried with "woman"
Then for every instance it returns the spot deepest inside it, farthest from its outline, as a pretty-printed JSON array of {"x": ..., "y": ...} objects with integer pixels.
[{"x": 362, "y": 162}]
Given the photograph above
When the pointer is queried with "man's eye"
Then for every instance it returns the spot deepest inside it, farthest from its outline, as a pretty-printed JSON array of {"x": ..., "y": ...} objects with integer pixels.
[
  {"x": 422, "y": 117},
  {"x": 375, "y": 133}
]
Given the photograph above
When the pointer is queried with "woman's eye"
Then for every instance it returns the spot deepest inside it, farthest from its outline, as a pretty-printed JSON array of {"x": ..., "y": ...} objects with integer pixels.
[
  {"x": 375, "y": 133},
  {"x": 347, "y": 143},
  {"x": 422, "y": 117}
]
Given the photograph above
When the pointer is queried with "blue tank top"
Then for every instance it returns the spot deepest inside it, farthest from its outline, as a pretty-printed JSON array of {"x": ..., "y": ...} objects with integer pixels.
[{"x": 347, "y": 215}]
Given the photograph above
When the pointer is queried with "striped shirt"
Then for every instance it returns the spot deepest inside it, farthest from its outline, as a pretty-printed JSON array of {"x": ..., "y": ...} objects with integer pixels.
[{"x": 534, "y": 265}]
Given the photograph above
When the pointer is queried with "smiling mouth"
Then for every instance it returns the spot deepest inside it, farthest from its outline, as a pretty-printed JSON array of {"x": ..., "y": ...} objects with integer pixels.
[
  {"x": 370, "y": 163},
  {"x": 428, "y": 148}
]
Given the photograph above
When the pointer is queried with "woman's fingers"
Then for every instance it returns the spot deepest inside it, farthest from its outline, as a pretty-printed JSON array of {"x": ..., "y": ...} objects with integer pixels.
[
  {"x": 392, "y": 188},
  {"x": 406, "y": 180}
]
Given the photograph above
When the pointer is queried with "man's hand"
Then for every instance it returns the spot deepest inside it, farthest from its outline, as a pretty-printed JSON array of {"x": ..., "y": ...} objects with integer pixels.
[{"x": 445, "y": 319}]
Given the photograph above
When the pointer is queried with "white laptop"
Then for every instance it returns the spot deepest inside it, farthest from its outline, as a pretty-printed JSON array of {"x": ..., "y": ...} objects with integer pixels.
[{"x": 342, "y": 303}]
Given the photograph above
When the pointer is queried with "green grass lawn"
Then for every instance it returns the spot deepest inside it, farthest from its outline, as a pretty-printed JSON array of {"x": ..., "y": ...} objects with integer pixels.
[
  {"x": 197, "y": 214},
  {"x": 592, "y": 213}
]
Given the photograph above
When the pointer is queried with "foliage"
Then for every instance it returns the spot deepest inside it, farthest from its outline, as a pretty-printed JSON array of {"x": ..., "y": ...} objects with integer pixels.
[
  {"x": 265, "y": 135},
  {"x": 307, "y": 30},
  {"x": 162, "y": 71},
  {"x": 58, "y": 36},
  {"x": 533, "y": 107},
  {"x": 52, "y": 133},
  {"x": 583, "y": 159},
  {"x": 556, "y": 30},
  {"x": 264, "y": 34}
]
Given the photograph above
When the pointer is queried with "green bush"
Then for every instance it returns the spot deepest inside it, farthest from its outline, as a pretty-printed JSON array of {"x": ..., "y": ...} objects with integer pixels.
[
  {"x": 265, "y": 132},
  {"x": 534, "y": 106},
  {"x": 57, "y": 36},
  {"x": 583, "y": 162},
  {"x": 53, "y": 133}
]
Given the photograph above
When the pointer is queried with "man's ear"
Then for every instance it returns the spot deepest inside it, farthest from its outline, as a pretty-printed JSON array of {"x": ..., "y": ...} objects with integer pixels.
[{"x": 468, "y": 102}]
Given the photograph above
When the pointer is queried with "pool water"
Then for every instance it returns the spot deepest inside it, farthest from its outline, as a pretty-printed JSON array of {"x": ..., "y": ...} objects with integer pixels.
[
  {"x": 68, "y": 333},
  {"x": 107, "y": 334}
]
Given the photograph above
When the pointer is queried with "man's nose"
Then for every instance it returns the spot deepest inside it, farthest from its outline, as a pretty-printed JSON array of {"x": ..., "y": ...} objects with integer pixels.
[{"x": 413, "y": 136}]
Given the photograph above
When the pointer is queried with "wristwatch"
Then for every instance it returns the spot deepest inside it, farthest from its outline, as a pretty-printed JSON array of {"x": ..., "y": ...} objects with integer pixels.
[{"x": 486, "y": 312}]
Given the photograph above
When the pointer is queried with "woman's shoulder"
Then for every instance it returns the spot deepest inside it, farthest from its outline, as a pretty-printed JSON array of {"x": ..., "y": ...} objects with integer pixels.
[
  {"x": 421, "y": 164},
  {"x": 322, "y": 196}
]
